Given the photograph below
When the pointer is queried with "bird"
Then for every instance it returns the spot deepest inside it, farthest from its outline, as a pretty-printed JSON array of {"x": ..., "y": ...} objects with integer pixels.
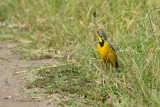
[{"x": 106, "y": 50}]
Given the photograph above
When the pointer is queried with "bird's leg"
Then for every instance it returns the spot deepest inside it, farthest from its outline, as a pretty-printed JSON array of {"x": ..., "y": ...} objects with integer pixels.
[
  {"x": 114, "y": 69},
  {"x": 105, "y": 63}
]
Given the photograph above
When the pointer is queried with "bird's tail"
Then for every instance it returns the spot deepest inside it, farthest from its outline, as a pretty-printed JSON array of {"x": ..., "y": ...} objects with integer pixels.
[{"x": 117, "y": 67}]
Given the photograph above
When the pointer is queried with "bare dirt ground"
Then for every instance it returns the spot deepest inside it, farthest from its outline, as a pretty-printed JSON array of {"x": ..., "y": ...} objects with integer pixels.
[{"x": 10, "y": 94}]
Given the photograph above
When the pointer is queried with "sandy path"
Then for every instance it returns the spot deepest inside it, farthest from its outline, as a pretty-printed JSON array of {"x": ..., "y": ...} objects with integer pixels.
[{"x": 10, "y": 95}]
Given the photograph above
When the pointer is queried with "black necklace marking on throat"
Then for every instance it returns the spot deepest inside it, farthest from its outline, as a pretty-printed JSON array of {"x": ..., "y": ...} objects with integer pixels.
[{"x": 101, "y": 43}]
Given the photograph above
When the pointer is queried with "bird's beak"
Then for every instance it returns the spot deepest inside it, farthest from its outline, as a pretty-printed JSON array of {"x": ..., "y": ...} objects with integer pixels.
[{"x": 93, "y": 31}]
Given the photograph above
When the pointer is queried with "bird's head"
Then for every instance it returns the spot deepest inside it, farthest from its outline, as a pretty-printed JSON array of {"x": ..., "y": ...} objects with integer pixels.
[{"x": 101, "y": 35}]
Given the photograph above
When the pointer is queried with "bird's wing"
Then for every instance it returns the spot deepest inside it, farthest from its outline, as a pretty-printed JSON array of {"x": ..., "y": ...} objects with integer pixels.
[{"x": 110, "y": 45}]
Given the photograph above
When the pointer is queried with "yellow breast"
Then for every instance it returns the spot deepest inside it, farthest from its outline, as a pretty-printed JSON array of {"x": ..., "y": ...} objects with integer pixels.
[{"x": 107, "y": 53}]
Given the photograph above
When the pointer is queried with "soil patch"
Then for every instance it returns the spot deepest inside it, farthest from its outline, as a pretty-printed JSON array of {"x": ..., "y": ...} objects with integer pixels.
[{"x": 10, "y": 94}]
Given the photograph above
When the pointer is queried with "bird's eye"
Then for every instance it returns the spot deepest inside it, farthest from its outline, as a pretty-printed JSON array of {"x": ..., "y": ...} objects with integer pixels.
[{"x": 98, "y": 32}]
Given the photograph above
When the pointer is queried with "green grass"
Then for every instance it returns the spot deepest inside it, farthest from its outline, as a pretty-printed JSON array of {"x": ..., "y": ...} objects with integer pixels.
[{"x": 61, "y": 30}]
